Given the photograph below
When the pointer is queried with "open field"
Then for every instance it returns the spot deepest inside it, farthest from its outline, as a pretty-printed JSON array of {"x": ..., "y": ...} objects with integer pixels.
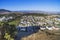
[{"x": 15, "y": 22}]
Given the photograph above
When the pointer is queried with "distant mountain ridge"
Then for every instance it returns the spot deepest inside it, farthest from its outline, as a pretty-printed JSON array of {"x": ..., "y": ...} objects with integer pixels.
[{"x": 4, "y": 11}]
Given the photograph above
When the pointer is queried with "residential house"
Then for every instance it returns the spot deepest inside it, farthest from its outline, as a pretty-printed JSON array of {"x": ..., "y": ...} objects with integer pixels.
[
  {"x": 42, "y": 27},
  {"x": 49, "y": 27},
  {"x": 2, "y": 18},
  {"x": 56, "y": 28}
]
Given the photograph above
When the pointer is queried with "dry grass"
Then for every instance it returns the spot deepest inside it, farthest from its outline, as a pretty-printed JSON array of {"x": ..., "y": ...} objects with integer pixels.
[{"x": 41, "y": 36}]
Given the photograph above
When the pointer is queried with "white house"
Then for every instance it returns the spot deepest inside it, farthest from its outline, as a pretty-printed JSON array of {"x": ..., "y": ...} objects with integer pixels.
[
  {"x": 49, "y": 27},
  {"x": 10, "y": 17},
  {"x": 0, "y": 19},
  {"x": 56, "y": 28},
  {"x": 42, "y": 27},
  {"x": 57, "y": 19},
  {"x": 3, "y": 18}
]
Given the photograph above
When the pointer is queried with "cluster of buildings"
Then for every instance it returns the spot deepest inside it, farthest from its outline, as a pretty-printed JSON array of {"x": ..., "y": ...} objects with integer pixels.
[
  {"x": 5, "y": 18},
  {"x": 47, "y": 22},
  {"x": 44, "y": 22}
]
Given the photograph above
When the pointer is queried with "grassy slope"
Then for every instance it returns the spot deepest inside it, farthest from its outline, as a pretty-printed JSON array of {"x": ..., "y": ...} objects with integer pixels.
[
  {"x": 1, "y": 23},
  {"x": 15, "y": 22},
  {"x": 42, "y": 36}
]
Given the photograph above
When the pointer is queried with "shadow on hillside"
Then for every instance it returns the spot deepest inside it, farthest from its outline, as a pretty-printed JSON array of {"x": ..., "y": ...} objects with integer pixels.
[{"x": 26, "y": 31}]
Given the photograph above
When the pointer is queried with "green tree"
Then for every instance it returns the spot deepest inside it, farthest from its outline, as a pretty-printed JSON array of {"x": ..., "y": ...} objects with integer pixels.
[{"x": 9, "y": 31}]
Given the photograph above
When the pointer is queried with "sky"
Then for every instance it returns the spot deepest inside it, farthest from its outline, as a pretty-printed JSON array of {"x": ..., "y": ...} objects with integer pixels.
[{"x": 41, "y": 5}]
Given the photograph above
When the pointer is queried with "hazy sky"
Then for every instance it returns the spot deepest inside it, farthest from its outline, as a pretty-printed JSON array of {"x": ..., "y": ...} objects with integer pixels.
[{"x": 42, "y": 5}]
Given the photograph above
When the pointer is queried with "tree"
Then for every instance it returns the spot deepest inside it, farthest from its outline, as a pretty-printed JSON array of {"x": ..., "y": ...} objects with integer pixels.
[{"x": 9, "y": 31}]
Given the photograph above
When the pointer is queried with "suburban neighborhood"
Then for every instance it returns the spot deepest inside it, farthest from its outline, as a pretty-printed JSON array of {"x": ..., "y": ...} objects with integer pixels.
[
  {"x": 29, "y": 19},
  {"x": 18, "y": 25},
  {"x": 47, "y": 22}
]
